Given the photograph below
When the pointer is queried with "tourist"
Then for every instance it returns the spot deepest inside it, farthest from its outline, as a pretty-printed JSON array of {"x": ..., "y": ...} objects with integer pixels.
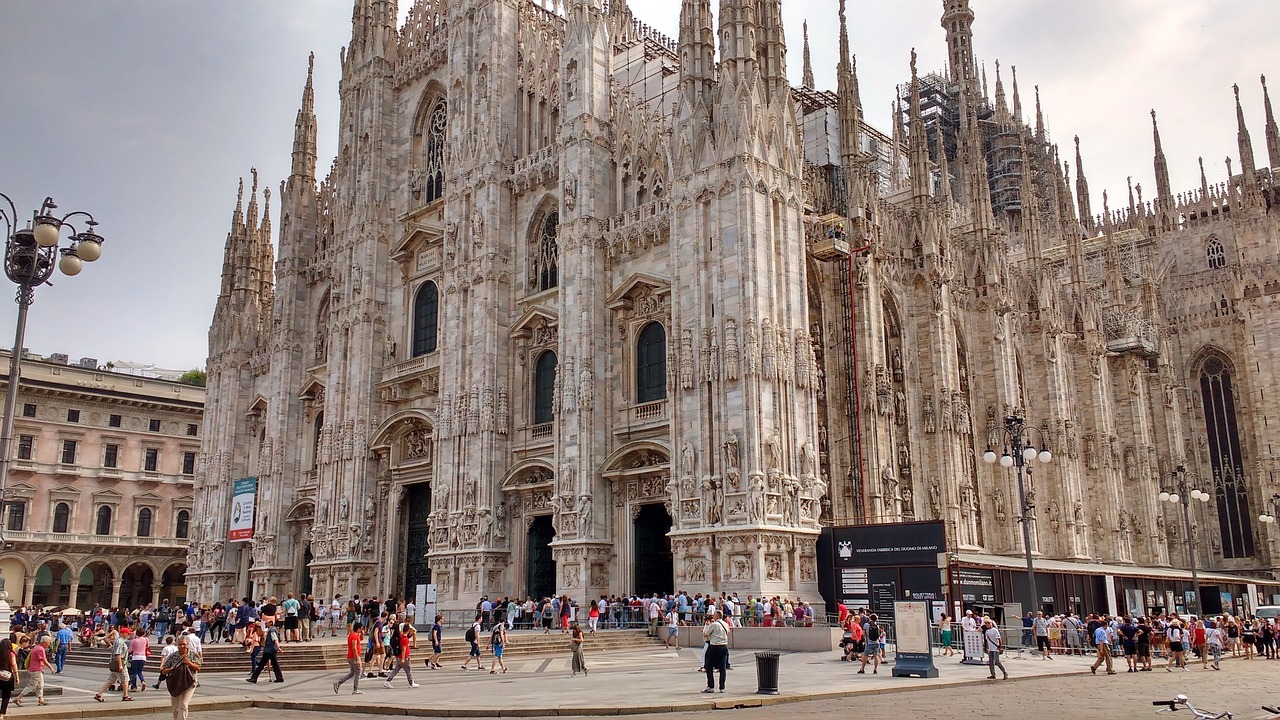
[
  {"x": 37, "y": 666},
  {"x": 292, "y": 619},
  {"x": 116, "y": 667},
  {"x": 179, "y": 670},
  {"x": 8, "y": 674},
  {"x": 1040, "y": 627},
  {"x": 400, "y": 643},
  {"x": 355, "y": 639},
  {"x": 673, "y": 630},
  {"x": 716, "y": 658},
  {"x": 1177, "y": 639},
  {"x": 1214, "y": 640},
  {"x": 871, "y": 633},
  {"x": 593, "y": 617},
  {"x": 473, "y": 637},
  {"x": 139, "y": 651},
  {"x": 436, "y": 636},
  {"x": 1128, "y": 632},
  {"x": 1144, "y": 644},
  {"x": 65, "y": 637},
  {"x": 497, "y": 640},
  {"x": 548, "y": 614},
  {"x": 944, "y": 630},
  {"x": 995, "y": 646},
  {"x": 1102, "y": 641},
  {"x": 576, "y": 639},
  {"x": 270, "y": 654}
]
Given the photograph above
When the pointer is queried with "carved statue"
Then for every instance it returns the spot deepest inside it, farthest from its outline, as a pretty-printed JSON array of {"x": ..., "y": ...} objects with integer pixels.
[
  {"x": 585, "y": 526},
  {"x": 344, "y": 509},
  {"x": 687, "y": 458},
  {"x": 935, "y": 499},
  {"x": 713, "y": 501},
  {"x": 930, "y": 425},
  {"x": 757, "y": 497},
  {"x": 774, "y": 449},
  {"x": 1002, "y": 506},
  {"x": 732, "y": 456},
  {"x": 500, "y": 519},
  {"x": 808, "y": 460},
  {"x": 1078, "y": 513}
]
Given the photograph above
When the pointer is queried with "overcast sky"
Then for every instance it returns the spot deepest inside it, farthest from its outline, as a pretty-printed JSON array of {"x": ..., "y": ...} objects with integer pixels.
[{"x": 146, "y": 113}]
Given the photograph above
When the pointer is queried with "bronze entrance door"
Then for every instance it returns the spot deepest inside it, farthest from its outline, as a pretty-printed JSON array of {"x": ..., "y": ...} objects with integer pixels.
[
  {"x": 541, "y": 566},
  {"x": 416, "y": 570},
  {"x": 654, "y": 566}
]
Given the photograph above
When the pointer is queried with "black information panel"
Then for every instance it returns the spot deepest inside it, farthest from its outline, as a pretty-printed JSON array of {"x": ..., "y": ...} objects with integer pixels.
[{"x": 872, "y": 566}]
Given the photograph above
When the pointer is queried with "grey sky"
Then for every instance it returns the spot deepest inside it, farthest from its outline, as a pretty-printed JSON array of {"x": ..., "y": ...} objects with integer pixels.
[{"x": 146, "y": 112}]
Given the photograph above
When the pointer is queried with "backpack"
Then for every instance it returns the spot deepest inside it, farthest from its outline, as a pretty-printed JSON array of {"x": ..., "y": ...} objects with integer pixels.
[
  {"x": 873, "y": 633},
  {"x": 496, "y": 637},
  {"x": 270, "y": 642},
  {"x": 471, "y": 634}
]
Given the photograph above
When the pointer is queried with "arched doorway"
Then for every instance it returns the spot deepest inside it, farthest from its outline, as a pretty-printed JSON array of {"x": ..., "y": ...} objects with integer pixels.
[
  {"x": 95, "y": 586},
  {"x": 173, "y": 584},
  {"x": 417, "y": 529},
  {"x": 655, "y": 568},
  {"x": 305, "y": 574},
  {"x": 542, "y": 566},
  {"x": 135, "y": 585},
  {"x": 53, "y": 584}
]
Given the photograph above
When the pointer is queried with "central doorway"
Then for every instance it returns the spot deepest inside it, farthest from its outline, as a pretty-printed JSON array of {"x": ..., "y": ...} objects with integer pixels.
[
  {"x": 654, "y": 564},
  {"x": 541, "y": 565},
  {"x": 417, "y": 528}
]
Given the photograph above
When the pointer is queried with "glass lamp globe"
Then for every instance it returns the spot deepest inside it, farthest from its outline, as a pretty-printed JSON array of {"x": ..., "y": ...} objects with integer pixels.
[
  {"x": 1173, "y": 497},
  {"x": 1006, "y": 461},
  {"x": 1204, "y": 497},
  {"x": 1164, "y": 497},
  {"x": 70, "y": 265},
  {"x": 89, "y": 249},
  {"x": 46, "y": 234},
  {"x": 989, "y": 457},
  {"x": 1028, "y": 453},
  {"x": 1045, "y": 456},
  {"x": 1264, "y": 518}
]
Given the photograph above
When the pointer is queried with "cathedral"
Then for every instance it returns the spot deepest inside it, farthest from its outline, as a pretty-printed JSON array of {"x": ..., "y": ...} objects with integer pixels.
[{"x": 581, "y": 308}]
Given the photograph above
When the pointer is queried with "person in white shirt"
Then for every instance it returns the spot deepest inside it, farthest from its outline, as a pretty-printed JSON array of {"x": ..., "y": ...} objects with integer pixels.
[
  {"x": 193, "y": 641},
  {"x": 335, "y": 615},
  {"x": 994, "y": 643},
  {"x": 673, "y": 629}
]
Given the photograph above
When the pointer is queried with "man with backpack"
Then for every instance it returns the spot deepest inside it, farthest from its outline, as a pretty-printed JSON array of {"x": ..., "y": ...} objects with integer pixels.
[
  {"x": 871, "y": 634},
  {"x": 270, "y": 654},
  {"x": 473, "y": 637}
]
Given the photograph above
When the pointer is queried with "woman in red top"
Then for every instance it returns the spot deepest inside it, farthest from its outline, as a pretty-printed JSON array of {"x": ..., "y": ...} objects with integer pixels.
[{"x": 593, "y": 617}]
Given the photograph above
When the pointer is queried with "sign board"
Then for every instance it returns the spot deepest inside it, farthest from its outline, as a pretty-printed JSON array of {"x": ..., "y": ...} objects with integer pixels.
[
  {"x": 889, "y": 545},
  {"x": 244, "y": 493},
  {"x": 424, "y": 601},
  {"x": 912, "y": 643}
]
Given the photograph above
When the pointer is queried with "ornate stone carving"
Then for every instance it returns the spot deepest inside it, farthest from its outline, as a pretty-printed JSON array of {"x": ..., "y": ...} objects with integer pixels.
[
  {"x": 926, "y": 413},
  {"x": 731, "y": 358}
]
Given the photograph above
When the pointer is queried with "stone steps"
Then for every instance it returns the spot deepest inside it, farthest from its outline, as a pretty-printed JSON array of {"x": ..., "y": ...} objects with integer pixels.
[{"x": 330, "y": 654}]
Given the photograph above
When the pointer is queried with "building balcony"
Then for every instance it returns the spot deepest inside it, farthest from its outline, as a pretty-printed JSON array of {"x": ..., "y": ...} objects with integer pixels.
[
  {"x": 644, "y": 416},
  {"x": 46, "y": 539},
  {"x": 541, "y": 431}
]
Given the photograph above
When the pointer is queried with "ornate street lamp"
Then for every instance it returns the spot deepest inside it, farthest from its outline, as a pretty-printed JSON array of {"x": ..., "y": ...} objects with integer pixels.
[
  {"x": 1270, "y": 517},
  {"x": 30, "y": 254},
  {"x": 1179, "y": 495},
  {"x": 1019, "y": 451}
]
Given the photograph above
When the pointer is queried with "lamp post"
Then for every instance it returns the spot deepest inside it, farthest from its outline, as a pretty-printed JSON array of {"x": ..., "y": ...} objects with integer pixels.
[
  {"x": 1269, "y": 518},
  {"x": 1179, "y": 495},
  {"x": 1019, "y": 452},
  {"x": 30, "y": 254}
]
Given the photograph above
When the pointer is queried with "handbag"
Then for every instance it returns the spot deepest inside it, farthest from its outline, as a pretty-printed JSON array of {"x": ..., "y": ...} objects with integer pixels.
[
  {"x": 117, "y": 664},
  {"x": 179, "y": 680},
  {"x": 5, "y": 676}
]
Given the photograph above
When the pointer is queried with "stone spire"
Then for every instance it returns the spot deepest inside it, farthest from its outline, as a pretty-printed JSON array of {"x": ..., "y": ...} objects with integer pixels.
[
  {"x": 957, "y": 21},
  {"x": 1164, "y": 193},
  {"x": 1204, "y": 183},
  {"x": 1039, "y": 116},
  {"x": 895, "y": 160},
  {"x": 1082, "y": 190},
  {"x": 373, "y": 32},
  {"x": 808, "y": 59},
  {"x": 919, "y": 143},
  {"x": 1002, "y": 104},
  {"x": 304, "y": 129},
  {"x": 1017, "y": 97},
  {"x": 737, "y": 51},
  {"x": 849, "y": 97},
  {"x": 1030, "y": 206},
  {"x": 1273, "y": 132},
  {"x": 1247, "y": 166},
  {"x": 772, "y": 48},
  {"x": 944, "y": 169},
  {"x": 697, "y": 51}
]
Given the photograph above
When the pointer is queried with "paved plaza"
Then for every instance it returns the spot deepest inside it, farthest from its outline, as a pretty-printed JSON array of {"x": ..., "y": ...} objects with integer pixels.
[{"x": 661, "y": 681}]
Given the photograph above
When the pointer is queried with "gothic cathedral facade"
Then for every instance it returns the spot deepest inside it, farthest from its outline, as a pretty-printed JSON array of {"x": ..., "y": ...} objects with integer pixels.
[{"x": 583, "y": 309}]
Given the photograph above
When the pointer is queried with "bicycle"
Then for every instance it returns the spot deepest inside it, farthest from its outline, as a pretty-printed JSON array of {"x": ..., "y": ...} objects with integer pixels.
[{"x": 1181, "y": 701}]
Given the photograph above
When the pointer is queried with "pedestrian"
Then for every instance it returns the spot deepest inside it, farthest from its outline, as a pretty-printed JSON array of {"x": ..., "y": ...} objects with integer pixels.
[
  {"x": 355, "y": 639},
  {"x": 995, "y": 647},
  {"x": 717, "y": 656},
  {"x": 139, "y": 651},
  {"x": 944, "y": 631},
  {"x": 179, "y": 670},
  {"x": 1176, "y": 646},
  {"x": 8, "y": 674},
  {"x": 576, "y": 639},
  {"x": 871, "y": 634},
  {"x": 1129, "y": 641},
  {"x": 292, "y": 619},
  {"x": 497, "y": 640},
  {"x": 116, "y": 667},
  {"x": 65, "y": 637},
  {"x": 473, "y": 637},
  {"x": 1103, "y": 643},
  {"x": 270, "y": 654},
  {"x": 436, "y": 636},
  {"x": 37, "y": 666},
  {"x": 1144, "y": 644},
  {"x": 673, "y": 630},
  {"x": 1040, "y": 626},
  {"x": 548, "y": 613},
  {"x": 400, "y": 643},
  {"x": 1214, "y": 642}
]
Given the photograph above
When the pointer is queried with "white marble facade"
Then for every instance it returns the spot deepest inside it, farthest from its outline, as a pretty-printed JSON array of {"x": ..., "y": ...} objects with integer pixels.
[{"x": 535, "y": 214}]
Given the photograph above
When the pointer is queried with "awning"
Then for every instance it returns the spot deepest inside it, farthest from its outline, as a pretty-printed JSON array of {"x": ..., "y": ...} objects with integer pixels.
[{"x": 1019, "y": 562}]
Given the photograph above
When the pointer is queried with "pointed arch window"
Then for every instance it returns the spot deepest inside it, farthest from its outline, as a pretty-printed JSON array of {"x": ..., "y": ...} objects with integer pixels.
[
  {"x": 426, "y": 310},
  {"x": 544, "y": 388},
  {"x": 546, "y": 268},
  {"x": 433, "y": 160},
  {"x": 1225, "y": 458},
  {"x": 104, "y": 521},
  {"x": 144, "y": 522},
  {"x": 61, "y": 518},
  {"x": 651, "y": 364},
  {"x": 316, "y": 430},
  {"x": 183, "y": 529},
  {"x": 1215, "y": 255}
]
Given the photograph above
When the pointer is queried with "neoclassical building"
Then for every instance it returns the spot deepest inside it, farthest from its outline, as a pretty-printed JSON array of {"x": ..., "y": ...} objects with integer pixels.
[
  {"x": 98, "y": 504},
  {"x": 582, "y": 308}
]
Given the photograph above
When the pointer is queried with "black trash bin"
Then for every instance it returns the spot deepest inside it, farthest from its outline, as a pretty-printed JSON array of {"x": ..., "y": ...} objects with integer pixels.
[{"x": 767, "y": 673}]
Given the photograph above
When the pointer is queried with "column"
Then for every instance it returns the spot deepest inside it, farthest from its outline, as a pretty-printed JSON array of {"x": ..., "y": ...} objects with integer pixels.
[
  {"x": 28, "y": 589},
  {"x": 155, "y": 594},
  {"x": 74, "y": 601},
  {"x": 115, "y": 591}
]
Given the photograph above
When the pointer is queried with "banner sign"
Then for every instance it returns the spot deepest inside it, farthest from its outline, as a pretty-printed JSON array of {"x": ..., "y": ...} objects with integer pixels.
[
  {"x": 913, "y": 641},
  {"x": 244, "y": 493}
]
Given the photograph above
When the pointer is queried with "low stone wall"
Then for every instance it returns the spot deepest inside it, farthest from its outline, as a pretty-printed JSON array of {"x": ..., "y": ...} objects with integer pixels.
[{"x": 813, "y": 639}]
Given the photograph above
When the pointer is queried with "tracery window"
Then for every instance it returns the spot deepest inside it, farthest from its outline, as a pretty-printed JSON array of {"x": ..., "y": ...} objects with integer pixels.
[
  {"x": 1225, "y": 458},
  {"x": 426, "y": 311},
  {"x": 433, "y": 160},
  {"x": 545, "y": 267},
  {"x": 651, "y": 364},
  {"x": 1215, "y": 255},
  {"x": 544, "y": 388}
]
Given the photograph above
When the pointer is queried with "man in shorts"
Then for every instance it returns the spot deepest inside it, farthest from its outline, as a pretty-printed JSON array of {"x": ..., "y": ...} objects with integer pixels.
[
  {"x": 292, "y": 627},
  {"x": 673, "y": 629},
  {"x": 473, "y": 637}
]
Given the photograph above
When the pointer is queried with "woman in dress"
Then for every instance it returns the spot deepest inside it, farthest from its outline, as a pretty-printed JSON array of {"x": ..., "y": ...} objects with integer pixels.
[
  {"x": 1247, "y": 638},
  {"x": 944, "y": 629},
  {"x": 9, "y": 668},
  {"x": 576, "y": 639}
]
